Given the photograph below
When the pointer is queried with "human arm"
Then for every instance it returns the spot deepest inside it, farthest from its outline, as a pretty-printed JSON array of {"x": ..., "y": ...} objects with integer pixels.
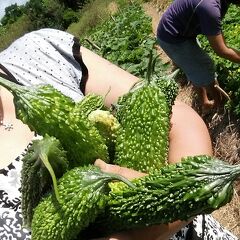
[
  {"x": 188, "y": 135},
  {"x": 155, "y": 232},
  {"x": 221, "y": 49},
  {"x": 187, "y": 125}
]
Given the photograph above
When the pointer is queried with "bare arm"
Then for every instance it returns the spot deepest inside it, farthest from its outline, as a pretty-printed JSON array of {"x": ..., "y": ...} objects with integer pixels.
[
  {"x": 188, "y": 135},
  {"x": 221, "y": 49},
  {"x": 155, "y": 232}
]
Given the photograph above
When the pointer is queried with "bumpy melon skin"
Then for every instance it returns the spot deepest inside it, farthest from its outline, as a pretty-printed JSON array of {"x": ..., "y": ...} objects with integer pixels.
[
  {"x": 143, "y": 140},
  {"x": 35, "y": 177},
  {"x": 89, "y": 103},
  {"x": 47, "y": 111},
  {"x": 82, "y": 197},
  {"x": 198, "y": 185},
  {"x": 108, "y": 127},
  {"x": 169, "y": 87}
]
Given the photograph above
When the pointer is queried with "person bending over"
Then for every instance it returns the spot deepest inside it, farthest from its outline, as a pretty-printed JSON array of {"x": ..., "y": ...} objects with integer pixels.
[{"x": 177, "y": 30}]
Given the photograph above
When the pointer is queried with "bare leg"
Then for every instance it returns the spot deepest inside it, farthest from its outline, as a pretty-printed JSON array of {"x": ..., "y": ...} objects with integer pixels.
[
  {"x": 106, "y": 78},
  {"x": 203, "y": 97},
  {"x": 188, "y": 135}
]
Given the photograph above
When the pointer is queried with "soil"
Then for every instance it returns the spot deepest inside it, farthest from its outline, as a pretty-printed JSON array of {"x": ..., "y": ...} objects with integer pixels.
[{"x": 223, "y": 127}]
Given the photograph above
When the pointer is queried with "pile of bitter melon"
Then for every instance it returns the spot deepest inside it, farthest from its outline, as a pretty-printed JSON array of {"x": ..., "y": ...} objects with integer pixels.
[{"x": 64, "y": 195}]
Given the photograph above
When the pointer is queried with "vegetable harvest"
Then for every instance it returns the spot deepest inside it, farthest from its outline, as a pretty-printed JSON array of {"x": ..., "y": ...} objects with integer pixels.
[
  {"x": 198, "y": 184},
  {"x": 82, "y": 198},
  {"x": 47, "y": 111},
  {"x": 142, "y": 142},
  {"x": 44, "y": 161},
  {"x": 136, "y": 136}
]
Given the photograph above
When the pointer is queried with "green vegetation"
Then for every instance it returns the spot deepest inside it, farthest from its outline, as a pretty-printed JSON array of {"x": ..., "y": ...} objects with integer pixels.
[
  {"x": 126, "y": 40},
  {"x": 36, "y": 14},
  {"x": 228, "y": 72},
  {"x": 13, "y": 31},
  {"x": 91, "y": 16},
  {"x": 119, "y": 28}
]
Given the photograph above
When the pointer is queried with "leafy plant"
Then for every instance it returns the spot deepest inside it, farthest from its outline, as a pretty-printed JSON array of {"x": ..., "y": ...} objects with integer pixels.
[
  {"x": 228, "y": 72},
  {"x": 125, "y": 39},
  {"x": 12, "y": 13}
]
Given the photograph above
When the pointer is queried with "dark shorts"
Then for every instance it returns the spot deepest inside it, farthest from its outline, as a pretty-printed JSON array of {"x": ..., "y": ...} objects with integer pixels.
[{"x": 193, "y": 61}]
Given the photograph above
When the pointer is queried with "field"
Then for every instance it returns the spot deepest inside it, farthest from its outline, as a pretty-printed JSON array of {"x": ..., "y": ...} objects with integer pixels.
[{"x": 223, "y": 127}]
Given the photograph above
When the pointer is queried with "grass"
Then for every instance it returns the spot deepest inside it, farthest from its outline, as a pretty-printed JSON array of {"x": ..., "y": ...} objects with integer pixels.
[
  {"x": 13, "y": 32},
  {"x": 91, "y": 15}
]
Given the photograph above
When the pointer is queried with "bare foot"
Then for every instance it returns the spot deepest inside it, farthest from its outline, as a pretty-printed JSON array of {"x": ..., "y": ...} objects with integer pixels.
[{"x": 208, "y": 106}]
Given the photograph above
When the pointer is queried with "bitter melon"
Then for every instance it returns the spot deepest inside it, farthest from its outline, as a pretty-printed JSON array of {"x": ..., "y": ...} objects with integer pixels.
[
  {"x": 84, "y": 139},
  {"x": 82, "y": 192},
  {"x": 197, "y": 185},
  {"x": 41, "y": 107},
  {"x": 144, "y": 114},
  {"x": 166, "y": 83},
  {"x": 42, "y": 156},
  {"x": 169, "y": 86},
  {"x": 142, "y": 141},
  {"x": 47, "y": 111},
  {"x": 90, "y": 103},
  {"x": 108, "y": 126}
]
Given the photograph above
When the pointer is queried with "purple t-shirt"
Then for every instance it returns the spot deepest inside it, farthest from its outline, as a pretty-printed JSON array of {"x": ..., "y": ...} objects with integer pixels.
[{"x": 187, "y": 18}]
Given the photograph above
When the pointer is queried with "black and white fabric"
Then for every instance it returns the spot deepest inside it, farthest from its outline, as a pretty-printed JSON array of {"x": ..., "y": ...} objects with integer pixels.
[
  {"x": 10, "y": 202},
  {"x": 204, "y": 227}
]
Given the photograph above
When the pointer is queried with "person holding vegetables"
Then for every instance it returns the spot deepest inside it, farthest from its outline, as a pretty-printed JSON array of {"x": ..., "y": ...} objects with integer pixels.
[
  {"x": 50, "y": 56},
  {"x": 177, "y": 34}
]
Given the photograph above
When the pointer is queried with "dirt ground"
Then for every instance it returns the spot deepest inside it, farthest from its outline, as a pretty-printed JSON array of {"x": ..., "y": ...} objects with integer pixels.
[{"x": 223, "y": 127}]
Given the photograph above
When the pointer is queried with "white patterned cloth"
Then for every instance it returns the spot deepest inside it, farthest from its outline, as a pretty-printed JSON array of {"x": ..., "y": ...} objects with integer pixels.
[{"x": 46, "y": 56}]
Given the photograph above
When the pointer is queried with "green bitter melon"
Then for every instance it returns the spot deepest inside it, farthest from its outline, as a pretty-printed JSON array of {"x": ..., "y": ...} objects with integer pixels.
[
  {"x": 89, "y": 103},
  {"x": 144, "y": 114},
  {"x": 44, "y": 161},
  {"x": 197, "y": 185},
  {"x": 83, "y": 195},
  {"x": 108, "y": 126},
  {"x": 143, "y": 139},
  {"x": 47, "y": 111}
]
